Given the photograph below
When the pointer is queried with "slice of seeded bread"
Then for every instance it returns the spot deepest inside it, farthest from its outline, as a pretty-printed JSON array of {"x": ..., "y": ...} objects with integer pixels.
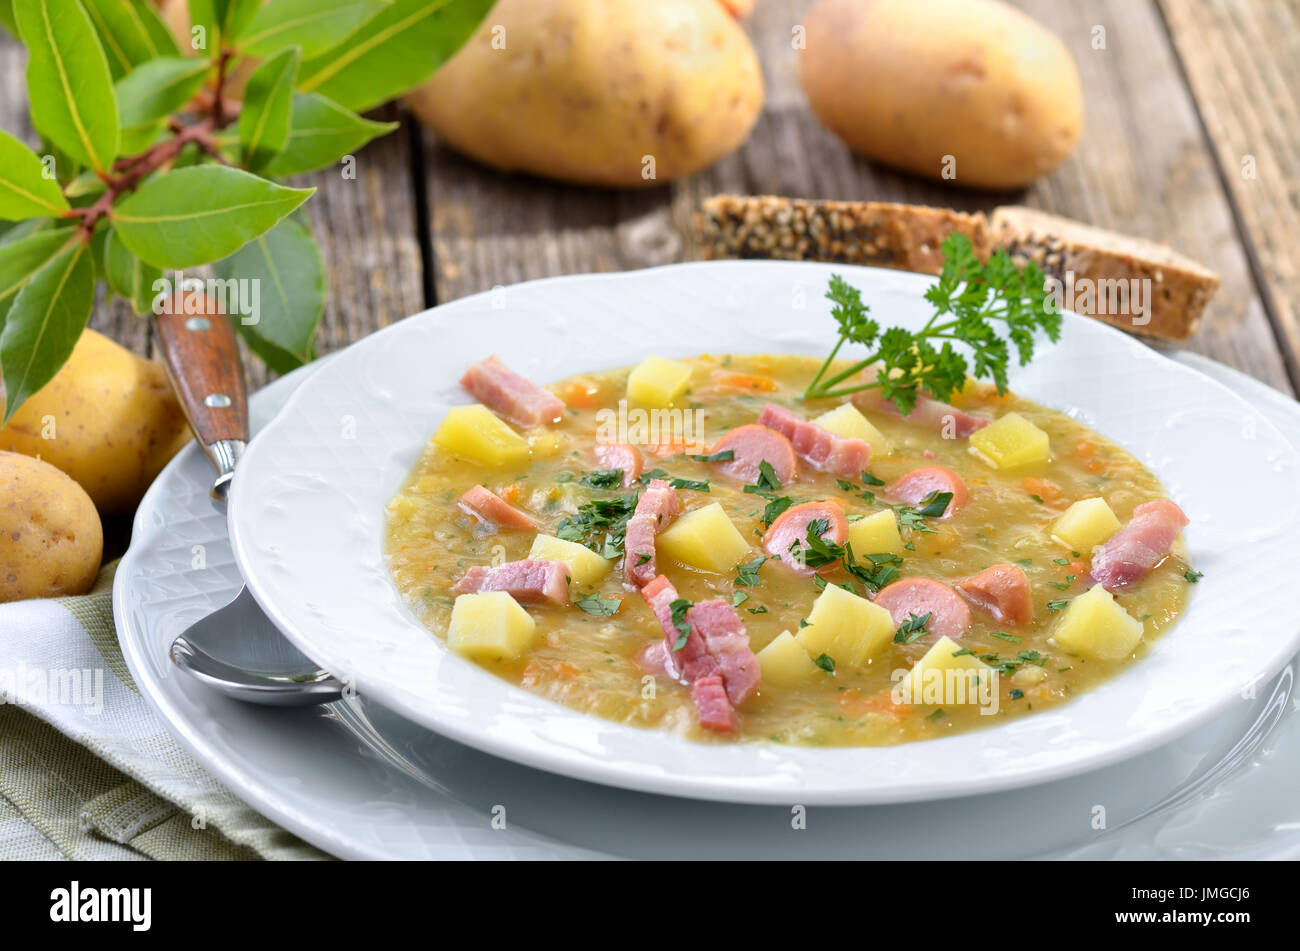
[
  {"x": 1097, "y": 269},
  {"x": 884, "y": 234},
  {"x": 1174, "y": 289}
]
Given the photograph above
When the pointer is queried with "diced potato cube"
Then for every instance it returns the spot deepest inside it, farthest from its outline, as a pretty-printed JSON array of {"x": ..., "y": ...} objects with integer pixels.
[
  {"x": 474, "y": 433},
  {"x": 704, "y": 538},
  {"x": 1095, "y": 625},
  {"x": 489, "y": 625},
  {"x": 785, "y": 663},
  {"x": 850, "y": 629},
  {"x": 877, "y": 534},
  {"x": 1011, "y": 441},
  {"x": 1029, "y": 676},
  {"x": 945, "y": 676},
  {"x": 846, "y": 421},
  {"x": 585, "y": 566},
  {"x": 656, "y": 382},
  {"x": 1085, "y": 525}
]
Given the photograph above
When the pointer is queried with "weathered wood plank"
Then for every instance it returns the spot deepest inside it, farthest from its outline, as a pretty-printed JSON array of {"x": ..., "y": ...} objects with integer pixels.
[
  {"x": 1242, "y": 59},
  {"x": 1142, "y": 167}
]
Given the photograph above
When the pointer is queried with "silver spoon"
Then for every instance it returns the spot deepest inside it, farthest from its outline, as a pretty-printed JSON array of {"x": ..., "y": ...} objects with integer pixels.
[{"x": 236, "y": 649}]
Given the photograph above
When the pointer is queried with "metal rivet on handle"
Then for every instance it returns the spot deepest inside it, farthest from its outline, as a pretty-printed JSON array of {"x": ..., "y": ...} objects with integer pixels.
[
  {"x": 216, "y": 400},
  {"x": 198, "y": 323}
]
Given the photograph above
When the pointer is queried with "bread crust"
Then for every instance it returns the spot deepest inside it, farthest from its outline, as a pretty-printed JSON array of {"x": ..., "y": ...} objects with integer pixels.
[{"x": 908, "y": 237}]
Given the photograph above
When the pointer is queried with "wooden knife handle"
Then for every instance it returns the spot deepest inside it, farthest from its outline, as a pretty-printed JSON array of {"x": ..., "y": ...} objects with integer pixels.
[{"x": 202, "y": 358}]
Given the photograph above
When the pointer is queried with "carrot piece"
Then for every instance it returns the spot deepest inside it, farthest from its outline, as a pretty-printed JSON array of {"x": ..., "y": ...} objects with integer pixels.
[
  {"x": 747, "y": 381},
  {"x": 854, "y": 701},
  {"x": 565, "y": 669},
  {"x": 510, "y": 492},
  {"x": 1085, "y": 448},
  {"x": 1043, "y": 488},
  {"x": 579, "y": 393}
]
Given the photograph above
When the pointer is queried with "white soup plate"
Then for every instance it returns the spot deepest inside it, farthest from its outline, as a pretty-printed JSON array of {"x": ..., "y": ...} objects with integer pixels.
[{"x": 307, "y": 522}]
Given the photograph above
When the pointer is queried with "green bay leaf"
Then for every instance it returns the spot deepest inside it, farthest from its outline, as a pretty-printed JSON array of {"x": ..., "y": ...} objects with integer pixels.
[
  {"x": 312, "y": 25},
  {"x": 128, "y": 276},
  {"x": 321, "y": 133},
  {"x": 197, "y": 215},
  {"x": 290, "y": 275},
  {"x": 267, "y": 107},
  {"x": 393, "y": 52},
  {"x": 156, "y": 89},
  {"x": 21, "y": 258},
  {"x": 43, "y": 325},
  {"x": 25, "y": 192},
  {"x": 69, "y": 85},
  {"x": 131, "y": 33}
]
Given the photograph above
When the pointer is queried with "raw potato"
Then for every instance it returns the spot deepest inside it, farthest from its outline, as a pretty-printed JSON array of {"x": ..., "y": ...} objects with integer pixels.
[
  {"x": 586, "y": 90},
  {"x": 109, "y": 419},
  {"x": 51, "y": 539},
  {"x": 909, "y": 83}
]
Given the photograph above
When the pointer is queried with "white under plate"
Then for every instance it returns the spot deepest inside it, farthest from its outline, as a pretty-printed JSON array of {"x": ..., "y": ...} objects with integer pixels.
[
  {"x": 361, "y": 782},
  {"x": 307, "y": 527}
]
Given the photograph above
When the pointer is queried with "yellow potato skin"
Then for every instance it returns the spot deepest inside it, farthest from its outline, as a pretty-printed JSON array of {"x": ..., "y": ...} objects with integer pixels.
[
  {"x": 908, "y": 83},
  {"x": 51, "y": 539},
  {"x": 585, "y": 89},
  {"x": 108, "y": 419}
]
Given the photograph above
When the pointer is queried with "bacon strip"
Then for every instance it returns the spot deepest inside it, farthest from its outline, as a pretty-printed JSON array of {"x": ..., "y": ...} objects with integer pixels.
[
  {"x": 510, "y": 395},
  {"x": 716, "y": 654},
  {"x": 818, "y": 447},
  {"x": 928, "y": 412},
  {"x": 527, "y": 580},
  {"x": 1139, "y": 546},
  {"x": 654, "y": 511}
]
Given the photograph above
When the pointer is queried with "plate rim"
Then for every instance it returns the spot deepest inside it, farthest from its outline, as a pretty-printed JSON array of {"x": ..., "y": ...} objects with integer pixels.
[{"x": 666, "y": 783}]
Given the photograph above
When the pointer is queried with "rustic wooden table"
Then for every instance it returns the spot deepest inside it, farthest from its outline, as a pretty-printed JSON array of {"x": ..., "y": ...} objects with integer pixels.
[{"x": 1187, "y": 98}]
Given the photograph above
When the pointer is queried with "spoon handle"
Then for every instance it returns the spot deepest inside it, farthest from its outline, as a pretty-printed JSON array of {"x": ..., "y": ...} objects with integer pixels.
[{"x": 202, "y": 359}]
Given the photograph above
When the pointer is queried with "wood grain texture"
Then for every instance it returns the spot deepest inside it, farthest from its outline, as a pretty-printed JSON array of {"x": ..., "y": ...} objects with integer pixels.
[
  {"x": 1242, "y": 60},
  {"x": 1143, "y": 167}
]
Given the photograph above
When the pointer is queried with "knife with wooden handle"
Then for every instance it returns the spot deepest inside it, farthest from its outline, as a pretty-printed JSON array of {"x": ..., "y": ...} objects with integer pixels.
[{"x": 201, "y": 354}]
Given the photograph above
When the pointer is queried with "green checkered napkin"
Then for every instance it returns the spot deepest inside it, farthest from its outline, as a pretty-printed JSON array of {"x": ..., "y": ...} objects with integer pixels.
[{"x": 87, "y": 770}]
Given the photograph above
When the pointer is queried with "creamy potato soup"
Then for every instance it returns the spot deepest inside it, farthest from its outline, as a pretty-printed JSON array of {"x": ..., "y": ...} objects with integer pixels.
[{"x": 689, "y": 546}]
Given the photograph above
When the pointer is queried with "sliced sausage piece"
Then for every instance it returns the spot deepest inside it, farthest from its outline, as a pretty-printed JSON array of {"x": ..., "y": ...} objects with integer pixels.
[
  {"x": 754, "y": 444},
  {"x": 527, "y": 580},
  {"x": 622, "y": 456},
  {"x": 933, "y": 414},
  {"x": 653, "y": 513},
  {"x": 949, "y": 616},
  {"x": 510, "y": 395},
  {"x": 712, "y": 705},
  {"x": 916, "y": 486},
  {"x": 1003, "y": 591},
  {"x": 820, "y": 448},
  {"x": 491, "y": 509},
  {"x": 1139, "y": 546},
  {"x": 787, "y": 538}
]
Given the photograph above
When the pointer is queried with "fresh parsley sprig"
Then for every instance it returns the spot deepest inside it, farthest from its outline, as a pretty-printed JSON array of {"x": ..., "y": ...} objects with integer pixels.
[{"x": 970, "y": 300}]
